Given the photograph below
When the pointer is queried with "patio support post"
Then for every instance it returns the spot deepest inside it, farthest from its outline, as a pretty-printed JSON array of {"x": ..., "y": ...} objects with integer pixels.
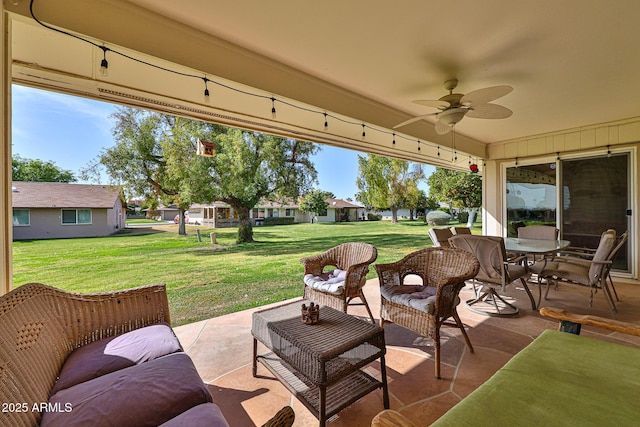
[{"x": 6, "y": 235}]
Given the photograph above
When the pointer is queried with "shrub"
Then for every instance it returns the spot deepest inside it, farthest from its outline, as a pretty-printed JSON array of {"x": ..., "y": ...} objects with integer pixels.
[
  {"x": 283, "y": 220},
  {"x": 463, "y": 217},
  {"x": 373, "y": 217},
  {"x": 438, "y": 218}
]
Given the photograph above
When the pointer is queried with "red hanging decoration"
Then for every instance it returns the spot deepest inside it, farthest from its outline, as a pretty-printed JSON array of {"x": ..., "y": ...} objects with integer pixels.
[{"x": 473, "y": 167}]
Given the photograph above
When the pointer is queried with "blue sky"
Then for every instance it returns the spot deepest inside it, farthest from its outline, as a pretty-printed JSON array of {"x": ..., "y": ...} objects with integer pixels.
[{"x": 70, "y": 131}]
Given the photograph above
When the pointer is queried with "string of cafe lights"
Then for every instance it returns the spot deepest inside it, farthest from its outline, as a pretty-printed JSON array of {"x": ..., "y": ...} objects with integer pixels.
[{"x": 104, "y": 71}]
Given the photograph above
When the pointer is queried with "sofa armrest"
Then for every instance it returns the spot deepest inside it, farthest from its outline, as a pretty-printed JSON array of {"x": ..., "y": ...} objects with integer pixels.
[
  {"x": 590, "y": 320},
  {"x": 283, "y": 418}
]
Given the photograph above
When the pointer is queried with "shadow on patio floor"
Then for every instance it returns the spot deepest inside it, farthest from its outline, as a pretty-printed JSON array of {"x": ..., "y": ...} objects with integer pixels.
[{"x": 221, "y": 349}]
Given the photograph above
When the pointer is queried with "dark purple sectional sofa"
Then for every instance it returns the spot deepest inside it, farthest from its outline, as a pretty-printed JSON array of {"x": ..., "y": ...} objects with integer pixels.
[{"x": 96, "y": 360}]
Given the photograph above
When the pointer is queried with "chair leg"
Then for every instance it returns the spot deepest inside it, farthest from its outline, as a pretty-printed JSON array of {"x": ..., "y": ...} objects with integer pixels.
[
  {"x": 456, "y": 317},
  {"x": 613, "y": 287},
  {"x": 436, "y": 342},
  {"x": 526, "y": 288},
  {"x": 366, "y": 304}
]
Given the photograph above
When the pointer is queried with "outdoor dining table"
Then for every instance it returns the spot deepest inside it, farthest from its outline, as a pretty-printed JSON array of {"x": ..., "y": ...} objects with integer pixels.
[{"x": 535, "y": 247}]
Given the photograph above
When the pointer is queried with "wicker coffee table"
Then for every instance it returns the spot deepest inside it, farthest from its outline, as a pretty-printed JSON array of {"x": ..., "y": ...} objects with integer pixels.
[{"x": 320, "y": 364}]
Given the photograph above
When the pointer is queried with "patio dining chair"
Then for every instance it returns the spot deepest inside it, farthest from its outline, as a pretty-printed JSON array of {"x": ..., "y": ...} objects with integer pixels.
[
  {"x": 460, "y": 230},
  {"x": 440, "y": 236},
  {"x": 592, "y": 270},
  {"x": 337, "y": 286},
  {"x": 423, "y": 308},
  {"x": 495, "y": 270},
  {"x": 543, "y": 232}
]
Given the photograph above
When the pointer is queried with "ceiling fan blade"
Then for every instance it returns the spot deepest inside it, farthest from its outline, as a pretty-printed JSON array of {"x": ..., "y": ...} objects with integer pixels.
[
  {"x": 489, "y": 111},
  {"x": 442, "y": 129},
  {"x": 415, "y": 119},
  {"x": 488, "y": 94},
  {"x": 436, "y": 103}
]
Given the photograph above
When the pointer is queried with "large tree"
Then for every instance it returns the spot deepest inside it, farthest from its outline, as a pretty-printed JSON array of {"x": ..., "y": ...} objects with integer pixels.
[
  {"x": 36, "y": 170},
  {"x": 315, "y": 202},
  {"x": 249, "y": 166},
  {"x": 458, "y": 189},
  {"x": 154, "y": 157},
  {"x": 386, "y": 183}
]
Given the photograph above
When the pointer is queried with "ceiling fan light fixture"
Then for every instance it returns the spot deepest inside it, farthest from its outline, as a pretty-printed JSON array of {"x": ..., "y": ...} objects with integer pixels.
[{"x": 451, "y": 116}]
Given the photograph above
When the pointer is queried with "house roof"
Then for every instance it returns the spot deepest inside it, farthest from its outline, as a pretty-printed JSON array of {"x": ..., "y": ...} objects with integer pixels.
[
  {"x": 341, "y": 204},
  {"x": 63, "y": 195}
]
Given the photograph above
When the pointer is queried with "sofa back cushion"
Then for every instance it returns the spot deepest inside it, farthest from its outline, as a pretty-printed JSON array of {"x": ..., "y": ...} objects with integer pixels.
[{"x": 115, "y": 353}]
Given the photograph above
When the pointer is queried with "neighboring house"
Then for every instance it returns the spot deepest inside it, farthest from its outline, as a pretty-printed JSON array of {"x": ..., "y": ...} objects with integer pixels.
[
  {"x": 54, "y": 210},
  {"x": 341, "y": 211},
  {"x": 222, "y": 215},
  {"x": 163, "y": 213},
  {"x": 402, "y": 213}
]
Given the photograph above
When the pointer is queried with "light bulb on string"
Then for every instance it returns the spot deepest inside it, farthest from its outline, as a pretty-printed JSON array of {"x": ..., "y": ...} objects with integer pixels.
[
  {"x": 326, "y": 123},
  {"x": 363, "y": 132},
  {"x": 104, "y": 64},
  {"x": 608, "y": 151},
  {"x": 273, "y": 108},
  {"x": 394, "y": 139},
  {"x": 207, "y": 99},
  {"x": 418, "y": 145}
]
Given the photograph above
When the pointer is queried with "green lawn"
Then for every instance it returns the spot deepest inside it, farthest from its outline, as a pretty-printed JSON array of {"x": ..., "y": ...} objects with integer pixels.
[{"x": 204, "y": 280}]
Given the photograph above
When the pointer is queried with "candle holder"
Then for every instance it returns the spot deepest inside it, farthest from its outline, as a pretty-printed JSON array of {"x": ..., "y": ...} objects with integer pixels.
[{"x": 311, "y": 314}]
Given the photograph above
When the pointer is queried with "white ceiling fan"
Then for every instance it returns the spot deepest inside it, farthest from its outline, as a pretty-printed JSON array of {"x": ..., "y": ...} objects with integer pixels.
[{"x": 455, "y": 106}]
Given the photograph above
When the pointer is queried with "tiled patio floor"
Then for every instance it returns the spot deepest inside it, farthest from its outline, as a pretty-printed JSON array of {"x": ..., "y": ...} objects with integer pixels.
[{"x": 222, "y": 350}]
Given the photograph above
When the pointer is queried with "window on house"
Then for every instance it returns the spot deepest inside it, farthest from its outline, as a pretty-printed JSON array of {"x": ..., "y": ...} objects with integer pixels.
[
  {"x": 76, "y": 216},
  {"x": 290, "y": 212},
  {"x": 21, "y": 217}
]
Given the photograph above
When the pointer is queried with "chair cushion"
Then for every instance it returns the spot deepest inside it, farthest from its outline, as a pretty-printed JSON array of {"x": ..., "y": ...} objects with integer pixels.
[
  {"x": 332, "y": 282},
  {"x": 148, "y": 394},
  {"x": 114, "y": 353},
  {"x": 421, "y": 298},
  {"x": 573, "y": 271},
  {"x": 204, "y": 415}
]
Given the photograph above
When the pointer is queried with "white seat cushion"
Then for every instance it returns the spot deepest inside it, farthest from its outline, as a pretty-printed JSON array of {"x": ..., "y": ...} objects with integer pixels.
[
  {"x": 419, "y": 297},
  {"x": 332, "y": 283}
]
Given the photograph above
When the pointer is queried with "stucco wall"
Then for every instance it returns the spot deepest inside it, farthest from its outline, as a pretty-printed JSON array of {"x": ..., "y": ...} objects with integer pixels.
[{"x": 47, "y": 224}]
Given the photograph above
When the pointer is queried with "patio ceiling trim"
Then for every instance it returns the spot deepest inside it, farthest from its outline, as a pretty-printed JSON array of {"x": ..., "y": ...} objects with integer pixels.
[{"x": 45, "y": 59}]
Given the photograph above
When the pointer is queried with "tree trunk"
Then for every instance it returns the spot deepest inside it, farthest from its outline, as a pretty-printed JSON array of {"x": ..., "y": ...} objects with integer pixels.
[
  {"x": 472, "y": 217},
  {"x": 245, "y": 229},
  {"x": 182, "y": 228},
  {"x": 410, "y": 214},
  {"x": 394, "y": 214}
]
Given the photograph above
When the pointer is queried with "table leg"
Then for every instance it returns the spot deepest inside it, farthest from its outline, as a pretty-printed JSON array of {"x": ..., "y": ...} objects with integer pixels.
[
  {"x": 322, "y": 410},
  {"x": 255, "y": 357},
  {"x": 385, "y": 388}
]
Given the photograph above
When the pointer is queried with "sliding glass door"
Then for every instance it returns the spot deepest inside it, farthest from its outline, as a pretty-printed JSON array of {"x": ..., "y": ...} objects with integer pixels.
[
  {"x": 585, "y": 195},
  {"x": 596, "y": 197},
  {"x": 531, "y": 196}
]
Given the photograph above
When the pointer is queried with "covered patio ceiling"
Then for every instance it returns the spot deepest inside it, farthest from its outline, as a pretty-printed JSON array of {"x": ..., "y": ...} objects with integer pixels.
[{"x": 572, "y": 64}]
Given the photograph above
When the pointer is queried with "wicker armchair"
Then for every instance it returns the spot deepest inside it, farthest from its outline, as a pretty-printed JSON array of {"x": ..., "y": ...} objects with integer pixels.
[
  {"x": 424, "y": 308},
  {"x": 352, "y": 257}
]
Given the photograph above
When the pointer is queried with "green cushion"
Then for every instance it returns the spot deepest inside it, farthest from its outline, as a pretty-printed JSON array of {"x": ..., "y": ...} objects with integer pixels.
[{"x": 559, "y": 379}]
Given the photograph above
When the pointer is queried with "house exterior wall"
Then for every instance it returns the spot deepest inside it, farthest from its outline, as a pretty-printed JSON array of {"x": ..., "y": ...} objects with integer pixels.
[
  {"x": 594, "y": 140},
  {"x": 47, "y": 224}
]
